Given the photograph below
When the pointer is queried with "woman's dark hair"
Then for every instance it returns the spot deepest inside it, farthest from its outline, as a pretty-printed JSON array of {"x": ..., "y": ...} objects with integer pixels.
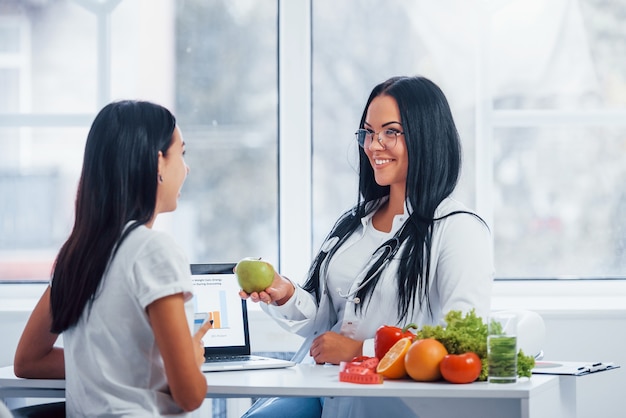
[
  {"x": 118, "y": 184},
  {"x": 434, "y": 153}
]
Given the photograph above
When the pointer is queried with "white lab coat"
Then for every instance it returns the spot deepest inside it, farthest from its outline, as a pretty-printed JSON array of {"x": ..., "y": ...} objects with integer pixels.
[{"x": 461, "y": 278}]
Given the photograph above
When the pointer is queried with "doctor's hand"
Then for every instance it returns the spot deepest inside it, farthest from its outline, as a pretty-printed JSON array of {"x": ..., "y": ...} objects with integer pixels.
[
  {"x": 334, "y": 348},
  {"x": 279, "y": 292}
]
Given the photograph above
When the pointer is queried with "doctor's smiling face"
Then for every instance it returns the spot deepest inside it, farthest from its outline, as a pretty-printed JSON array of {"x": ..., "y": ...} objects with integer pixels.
[{"x": 384, "y": 143}]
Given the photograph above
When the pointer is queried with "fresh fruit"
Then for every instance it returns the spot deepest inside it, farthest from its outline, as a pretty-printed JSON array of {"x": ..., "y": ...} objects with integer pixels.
[
  {"x": 254, "y": 275},
  {"x": 461, "y": 368},
  {"x": 391, "y": 365},
  {"x": 386, "y": 336},
  {"x": 423, "y": 358}
]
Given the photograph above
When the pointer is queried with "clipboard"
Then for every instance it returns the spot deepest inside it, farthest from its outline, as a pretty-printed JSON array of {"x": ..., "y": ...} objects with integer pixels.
[{"x": 572, "y": 368}]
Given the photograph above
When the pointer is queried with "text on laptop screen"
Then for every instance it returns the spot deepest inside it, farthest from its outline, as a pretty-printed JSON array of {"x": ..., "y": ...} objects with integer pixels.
[{"x": 216, "y": 297}]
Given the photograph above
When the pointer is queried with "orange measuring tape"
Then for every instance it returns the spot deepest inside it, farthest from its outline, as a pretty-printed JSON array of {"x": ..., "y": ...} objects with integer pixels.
[{"x": 360, "y": 370}]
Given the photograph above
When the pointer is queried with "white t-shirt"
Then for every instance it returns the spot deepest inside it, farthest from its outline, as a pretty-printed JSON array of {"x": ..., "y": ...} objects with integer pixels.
[{"x": 113, "y": 366}]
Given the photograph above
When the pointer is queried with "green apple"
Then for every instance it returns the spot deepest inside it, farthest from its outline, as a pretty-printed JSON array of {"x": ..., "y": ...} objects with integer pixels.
[{"x": 254, "y": 275}]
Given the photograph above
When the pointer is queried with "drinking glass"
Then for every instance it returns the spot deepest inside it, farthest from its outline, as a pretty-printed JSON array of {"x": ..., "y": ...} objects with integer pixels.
[{"x": 502, "y": 348}]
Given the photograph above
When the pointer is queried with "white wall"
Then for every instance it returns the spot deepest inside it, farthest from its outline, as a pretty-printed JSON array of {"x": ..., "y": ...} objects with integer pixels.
[
  {"x": 11, "y": 325},
  {"x": 16, "y": 302}
]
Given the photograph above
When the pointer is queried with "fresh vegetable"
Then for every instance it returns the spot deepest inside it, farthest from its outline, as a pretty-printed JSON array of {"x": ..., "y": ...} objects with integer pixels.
[
  {"x": 525, "y": 364},
  {"x": 461, "y": 368},
  {"x": 468, "y": 333},
  {"x": 386, "y": 336},
  {"x": 423, "y": 359}
]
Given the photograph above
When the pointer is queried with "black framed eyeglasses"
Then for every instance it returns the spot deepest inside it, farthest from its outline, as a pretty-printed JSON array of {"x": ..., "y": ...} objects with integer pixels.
[{"x": 387, "y": 138}]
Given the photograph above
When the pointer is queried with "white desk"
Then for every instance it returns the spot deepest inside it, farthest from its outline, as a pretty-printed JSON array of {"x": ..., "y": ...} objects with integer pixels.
[{"x": 541, "y": 396}]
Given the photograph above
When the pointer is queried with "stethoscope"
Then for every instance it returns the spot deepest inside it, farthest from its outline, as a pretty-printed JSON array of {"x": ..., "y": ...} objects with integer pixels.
[{"x": 387, "y": 251}]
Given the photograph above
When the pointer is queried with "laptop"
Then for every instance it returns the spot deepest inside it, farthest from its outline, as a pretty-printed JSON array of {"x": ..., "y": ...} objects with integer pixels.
[{"x": 227, "y": 344}]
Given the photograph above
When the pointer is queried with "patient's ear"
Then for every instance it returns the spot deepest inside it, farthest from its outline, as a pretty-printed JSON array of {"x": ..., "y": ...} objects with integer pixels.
[{"x": 160, "y": 167}]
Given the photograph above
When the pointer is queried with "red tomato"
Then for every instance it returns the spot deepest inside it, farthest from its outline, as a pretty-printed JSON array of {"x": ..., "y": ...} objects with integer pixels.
[
  {"x": 386, "y": 336},
  {"x": 460, "y": 368}
]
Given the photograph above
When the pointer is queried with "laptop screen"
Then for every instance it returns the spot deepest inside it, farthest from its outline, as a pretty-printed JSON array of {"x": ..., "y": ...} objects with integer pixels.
[{"x": 216, "y": 298}]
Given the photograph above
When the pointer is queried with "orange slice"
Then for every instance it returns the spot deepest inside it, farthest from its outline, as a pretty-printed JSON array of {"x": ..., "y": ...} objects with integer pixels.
[{"x": 391, "y": 366}]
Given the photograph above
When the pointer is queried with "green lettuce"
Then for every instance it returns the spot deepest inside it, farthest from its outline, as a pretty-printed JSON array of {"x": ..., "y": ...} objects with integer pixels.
[{"x": 467, "y": 333}]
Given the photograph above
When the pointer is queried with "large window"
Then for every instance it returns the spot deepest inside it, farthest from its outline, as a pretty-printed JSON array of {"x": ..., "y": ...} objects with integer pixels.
[
  {"x": 212, "y": 63},
  {"x": 538, "y": 89}
]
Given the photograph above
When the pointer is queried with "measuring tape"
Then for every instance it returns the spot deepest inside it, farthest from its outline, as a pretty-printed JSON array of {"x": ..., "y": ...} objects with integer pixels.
[{"x": 360, "y": 370}]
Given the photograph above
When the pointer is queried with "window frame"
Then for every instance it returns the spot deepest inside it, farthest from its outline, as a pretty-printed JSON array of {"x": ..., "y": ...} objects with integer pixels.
[
  {"x": 295, "y": 122},
  {"x": 295, "y": 222}
]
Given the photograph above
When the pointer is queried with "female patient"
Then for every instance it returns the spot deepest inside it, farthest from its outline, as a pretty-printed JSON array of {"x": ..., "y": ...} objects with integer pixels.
[{"x": 121, "y": 292}]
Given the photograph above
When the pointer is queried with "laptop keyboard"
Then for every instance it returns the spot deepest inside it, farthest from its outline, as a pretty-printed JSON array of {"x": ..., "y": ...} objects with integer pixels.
[{"x": 212, "y": 359}]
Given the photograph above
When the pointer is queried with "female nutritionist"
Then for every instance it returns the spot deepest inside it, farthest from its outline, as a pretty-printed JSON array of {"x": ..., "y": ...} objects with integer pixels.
[{"x": 405, "y": 253}]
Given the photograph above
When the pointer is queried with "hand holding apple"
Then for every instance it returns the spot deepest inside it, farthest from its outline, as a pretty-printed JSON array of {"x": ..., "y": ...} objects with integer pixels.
[{"x": 260, "y": 282}]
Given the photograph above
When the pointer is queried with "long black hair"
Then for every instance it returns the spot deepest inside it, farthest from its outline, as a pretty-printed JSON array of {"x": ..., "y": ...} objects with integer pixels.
[
  {"x": 118, "y": 184},
  {"x": 434, "y": 153}
]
